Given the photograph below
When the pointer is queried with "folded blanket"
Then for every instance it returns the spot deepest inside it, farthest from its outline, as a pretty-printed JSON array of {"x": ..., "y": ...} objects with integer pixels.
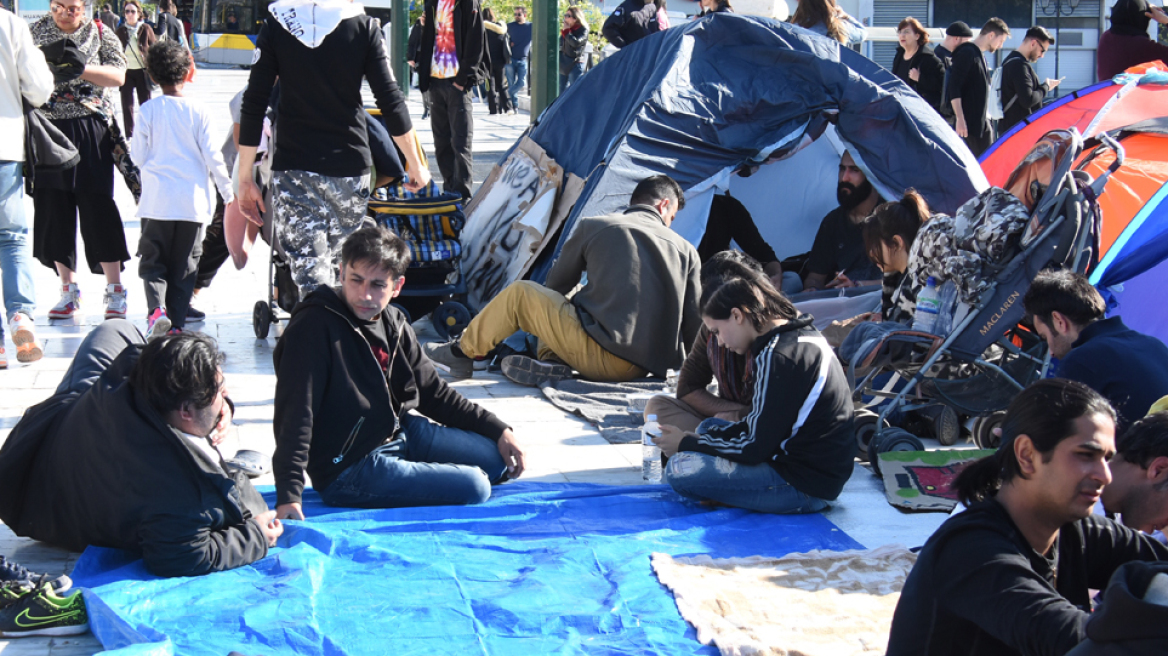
[
  {"x": 820, "y": 603},
  {"x": 604, "y": 405}
]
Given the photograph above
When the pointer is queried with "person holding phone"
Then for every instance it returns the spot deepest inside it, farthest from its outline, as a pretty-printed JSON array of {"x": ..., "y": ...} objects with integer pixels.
[{"x": 1022, "y": 93}]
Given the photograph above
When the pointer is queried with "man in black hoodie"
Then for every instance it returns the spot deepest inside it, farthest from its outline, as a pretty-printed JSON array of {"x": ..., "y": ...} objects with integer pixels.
[
  {"x": 349, "y": 370},
  {"x": 968, "y": 87},
  {"x": 1012, "y": 574},
  {"x": 452, "y": 60},
  {"x": 124, "y": 455},
  {"x": 321, "y": 50}
]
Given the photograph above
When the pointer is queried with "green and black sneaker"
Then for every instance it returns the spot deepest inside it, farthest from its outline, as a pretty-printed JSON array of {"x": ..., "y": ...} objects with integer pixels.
[{"x": 38, "y": 611}]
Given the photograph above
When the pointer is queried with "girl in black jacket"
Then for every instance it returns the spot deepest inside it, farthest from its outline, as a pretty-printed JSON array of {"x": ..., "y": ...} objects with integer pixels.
[{"x": 794, "y": 451}]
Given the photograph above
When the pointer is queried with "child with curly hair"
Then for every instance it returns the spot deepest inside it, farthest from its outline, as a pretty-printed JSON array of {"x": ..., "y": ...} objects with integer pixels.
[{"x": 174, "y": 145}]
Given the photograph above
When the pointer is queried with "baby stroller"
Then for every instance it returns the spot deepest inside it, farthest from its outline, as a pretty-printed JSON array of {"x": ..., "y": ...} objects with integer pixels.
[
  {"x": 431, "y": 222},
  {"x": 971, "y": 374}
]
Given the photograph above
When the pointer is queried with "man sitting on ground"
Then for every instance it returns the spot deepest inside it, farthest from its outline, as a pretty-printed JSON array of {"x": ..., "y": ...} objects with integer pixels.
[
  {"x": 838, "y": 257},
  {"x": 709, "y": 360},
  {"x": 637, "y": 313},
  {"x": 125, "y": 455},
  {"x": 1127, "y": 367},
  {"x": 349, "y": 370},
  {"x": 1138, "y": 492},
  {"x": 1013, "y": 573}
]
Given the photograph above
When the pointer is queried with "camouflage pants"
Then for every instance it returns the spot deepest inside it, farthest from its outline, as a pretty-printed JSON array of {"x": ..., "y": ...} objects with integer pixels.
[{"x": 314, "y": 215}]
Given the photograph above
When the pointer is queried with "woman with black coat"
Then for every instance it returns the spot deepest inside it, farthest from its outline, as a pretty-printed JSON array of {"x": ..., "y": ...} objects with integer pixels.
[
  {"x": 573, "y": 47},
  {"x": 916, "y": 64},
  {"x": 498, "y": 97}
]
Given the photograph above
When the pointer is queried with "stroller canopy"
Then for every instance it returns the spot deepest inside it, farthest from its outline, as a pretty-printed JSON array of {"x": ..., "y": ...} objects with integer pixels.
[
  {"x": 730, "y": 93},
  {"x": 1134, "y": 238}
]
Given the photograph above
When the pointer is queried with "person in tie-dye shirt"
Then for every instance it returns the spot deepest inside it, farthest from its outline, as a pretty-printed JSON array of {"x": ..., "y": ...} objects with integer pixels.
[{"x": 452, "y": 59}]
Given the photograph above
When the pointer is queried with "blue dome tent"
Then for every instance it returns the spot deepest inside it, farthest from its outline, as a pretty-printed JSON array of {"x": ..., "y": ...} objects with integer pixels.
[{"x": 700, "y": 102}]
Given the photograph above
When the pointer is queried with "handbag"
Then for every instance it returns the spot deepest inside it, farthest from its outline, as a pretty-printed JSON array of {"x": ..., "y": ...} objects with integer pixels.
[{"x": 428, "y": 220}]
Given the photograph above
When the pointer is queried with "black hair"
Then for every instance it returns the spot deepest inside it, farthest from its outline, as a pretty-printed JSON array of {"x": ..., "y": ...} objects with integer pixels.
[
  {"x": 1065, "y": 292},
  {"x": 1145, "y": 440},
  {"x": 1039, "y": 33},
  {"x": 168, "y": 62},
  {"x": 658, "y": 187},
  {"x": 754, "y": 296},
  {"x": 902, "y": 218},
  {"x": 729, "y": 264},
  {"x": 175, "y": 370},
  {"x": 167, "y": 6},
  {"x": 995, "y": 25},
  {"x": 378, "y": 246},
  {"x": 489, "y": 14},
  {"x": 1045, "y": 412}
]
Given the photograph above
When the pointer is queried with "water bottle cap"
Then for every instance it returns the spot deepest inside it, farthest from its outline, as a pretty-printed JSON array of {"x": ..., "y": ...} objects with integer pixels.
[
  {"x": 651, "y": 417},
  {"x": 931, "y": 282}
]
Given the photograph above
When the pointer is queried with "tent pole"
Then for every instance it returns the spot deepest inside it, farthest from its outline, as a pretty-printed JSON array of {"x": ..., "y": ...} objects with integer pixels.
[
  {"x": 399, "y": 37},
  {"x": 545, "y": 80}
]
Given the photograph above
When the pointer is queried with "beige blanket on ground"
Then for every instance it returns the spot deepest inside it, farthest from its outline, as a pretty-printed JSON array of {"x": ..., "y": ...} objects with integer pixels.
[{"x": 821, "y": 603}]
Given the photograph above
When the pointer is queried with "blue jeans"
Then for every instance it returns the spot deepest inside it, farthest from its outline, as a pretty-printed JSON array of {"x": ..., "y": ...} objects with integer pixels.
[
  {"x": 14, "y": 256},
  {"x": 573, "y": 75},
  {"x": 753, "y": 487},
  {"x": 433, "y": 465},
  {"x": 516, "y": 73}
]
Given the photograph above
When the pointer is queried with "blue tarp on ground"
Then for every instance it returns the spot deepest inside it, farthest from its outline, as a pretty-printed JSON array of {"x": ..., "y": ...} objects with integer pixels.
[{"x": 539, "y": 569}]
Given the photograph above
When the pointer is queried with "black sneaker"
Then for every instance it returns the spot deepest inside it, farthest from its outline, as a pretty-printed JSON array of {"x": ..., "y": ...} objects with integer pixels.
[
  {"x": 194, "y": 314},
  {"x": 12, "y": 572},
  {"x": 38, "y": 611},
  {"x": 534, "y": 373}
]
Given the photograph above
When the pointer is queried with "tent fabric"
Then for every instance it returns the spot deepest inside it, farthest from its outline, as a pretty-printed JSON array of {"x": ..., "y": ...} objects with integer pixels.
[
  {"x": 540, "y": 568},
  {"x": 1134, "y": 205},
  {"x": 702, "y": 100}
]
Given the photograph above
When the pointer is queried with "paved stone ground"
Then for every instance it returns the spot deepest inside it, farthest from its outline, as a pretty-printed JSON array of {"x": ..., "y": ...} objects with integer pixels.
[{"x": 559, "y": 448}]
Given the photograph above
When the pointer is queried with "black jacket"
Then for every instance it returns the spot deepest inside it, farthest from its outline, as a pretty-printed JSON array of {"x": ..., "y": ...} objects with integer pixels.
[
  {"x": 329, "y": 384},
  {"x": 103, "y": 468},
  {"x": 1125, "y": 624},
  {"x": 169, "y": 25},
  {"x": 979, "y": 589},
  {"x": 414, "y": 44},
  {"x": 932, "y": 74},
  {"x": 969, "y": 80},
  {"x": 1129, "y": 368},
  {"x": 573, "y": 48},
  {"x": 801, "y": 418},
  {"x": 322, "y": 116},
  {"x": 1022, "y": 92},
  {"x": 470, "y": 42},
  {"x": 631, "y": 21},
  {"x": 499, "y": 47}
]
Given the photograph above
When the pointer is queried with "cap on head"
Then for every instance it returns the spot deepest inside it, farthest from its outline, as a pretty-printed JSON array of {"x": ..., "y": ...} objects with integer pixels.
[{"x": 959, "y": 29}]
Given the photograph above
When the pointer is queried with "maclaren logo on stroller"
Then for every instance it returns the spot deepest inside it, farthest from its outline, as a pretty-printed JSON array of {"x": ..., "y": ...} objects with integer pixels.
[{"x": 1010, "y": 301}]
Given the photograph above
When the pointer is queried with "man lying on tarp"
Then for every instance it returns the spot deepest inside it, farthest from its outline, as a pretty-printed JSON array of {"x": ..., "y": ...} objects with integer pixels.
[
  {"x": 349, "y": 370},
  {"x": 1012, "y": 574},
  {"x": 124, "y": 455}
]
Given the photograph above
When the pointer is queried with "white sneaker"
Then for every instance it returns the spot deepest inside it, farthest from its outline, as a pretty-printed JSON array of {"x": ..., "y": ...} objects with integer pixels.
[
  {"x": 69, "y": 304},
  {"x": 115, "y": 301}
]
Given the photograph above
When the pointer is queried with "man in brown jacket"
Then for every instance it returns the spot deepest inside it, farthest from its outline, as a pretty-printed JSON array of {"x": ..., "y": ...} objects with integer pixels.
[{"x": 636, "y": 315}]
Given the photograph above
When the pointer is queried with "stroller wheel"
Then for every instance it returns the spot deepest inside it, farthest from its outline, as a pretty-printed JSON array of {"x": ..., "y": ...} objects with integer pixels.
[
  {"x": 893, "y": 439},
  {"x": 450, "y": 319},
  {"x": 261, "y": 319},
  {"x": 866, "y": 424},
  {"x": 947, "y": 426},
  {"x": 983, "y": 430}
]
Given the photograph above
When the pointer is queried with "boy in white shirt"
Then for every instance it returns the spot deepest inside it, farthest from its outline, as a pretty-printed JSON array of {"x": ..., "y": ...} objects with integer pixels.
[{"x": 177, "y": 155}]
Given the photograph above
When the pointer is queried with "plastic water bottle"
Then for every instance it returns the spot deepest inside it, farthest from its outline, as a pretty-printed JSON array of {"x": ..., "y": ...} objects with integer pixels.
[
  {"x": 947, "y": 309},
  {"x": 928, "y": 307},
  {"x": 650, "y": 452}
]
